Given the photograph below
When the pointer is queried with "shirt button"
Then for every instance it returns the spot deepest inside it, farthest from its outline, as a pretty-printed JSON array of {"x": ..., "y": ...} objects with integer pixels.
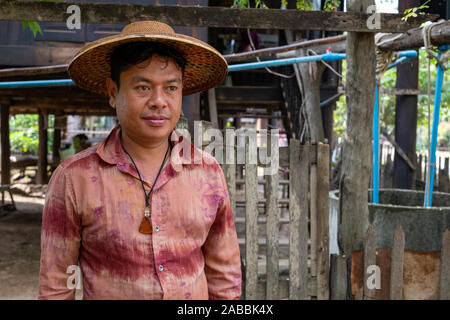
[
  {"x": 156, "y": 229},
  {"x": 161, "y": 268}
]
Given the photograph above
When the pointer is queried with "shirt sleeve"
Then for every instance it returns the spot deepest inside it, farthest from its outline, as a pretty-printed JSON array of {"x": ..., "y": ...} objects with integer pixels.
[
  {"x": 221, "y": 251},
  {"x": 60, "y": 240}
]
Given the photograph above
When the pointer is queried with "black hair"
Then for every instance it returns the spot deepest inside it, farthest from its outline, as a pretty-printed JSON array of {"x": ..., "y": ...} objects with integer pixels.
[
  {"x": 130, "y": 54},
  {"x": 81, "y": 136}
]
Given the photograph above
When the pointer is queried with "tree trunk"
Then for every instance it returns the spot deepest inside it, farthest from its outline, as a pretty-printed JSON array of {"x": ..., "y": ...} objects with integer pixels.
[
  {"x": 311, "y": 74},
  {"x": 357, "y": 156}
]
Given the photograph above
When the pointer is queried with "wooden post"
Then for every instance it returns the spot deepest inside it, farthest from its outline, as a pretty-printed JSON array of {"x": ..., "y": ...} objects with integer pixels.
[
  {"x": 338, "y": 277},
  {"x": 444, "y": 284},
  {"x": 370, "y": 259},
  {"x": 323, "y": 211},
  {"x": 251, "y": 222},
  {"x": 298, "y": 224},
  {"x": 357, "y": 149},
  {"x": 272, "y": 226},
  {"x": 5, "y": 145},
  {"x": 213, "y": 107},
  {"x": 398, "y": 250},
  {"x": 406, "y": 115},
  {"x": 41, "y": 174},
  {"x": 56, "y": 141}
]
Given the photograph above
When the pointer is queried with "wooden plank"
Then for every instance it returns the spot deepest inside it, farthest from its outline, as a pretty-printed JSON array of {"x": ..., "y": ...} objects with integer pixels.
[
  {"x": 403, "y": 92},
  {"x": 298, "y": 210},
  {"x": 440, "y": 34},
  {"x": 370, "y": 259},
  {"x": 323, "y": 211},
  {"x": 41, "y": 173},
  {"x": 444, "y": 281},
  {"x": 44, "y": 54},
  {"x": 272, "y": 226},
  {"x": 284, "y": 288},
  {"x": 229, "y": 167},
  {"x": 251, "y": 225},
  {"x": 303, "y": 180},
  {"x": 286, "y": 48},
  {"x": 399, "y": 150},
  {"x": 5, "y": 144},
  {"x": 313, "y": 218},
  {"x": 195, "y": 16},
  {"x": 337, "y": 47},
  {"x": 33, "y": 71},
  {"x": 398, "y": 249},
  {"x": 338, "y": 277}
]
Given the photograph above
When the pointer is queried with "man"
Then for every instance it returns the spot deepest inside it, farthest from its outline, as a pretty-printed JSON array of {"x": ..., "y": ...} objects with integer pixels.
[
  {"x": 79, "y": 143},
  {"x": 141, "y": 223}
]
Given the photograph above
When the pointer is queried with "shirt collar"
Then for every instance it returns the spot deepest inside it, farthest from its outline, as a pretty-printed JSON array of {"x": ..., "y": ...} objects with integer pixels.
[{"x": 110, "y": 150}]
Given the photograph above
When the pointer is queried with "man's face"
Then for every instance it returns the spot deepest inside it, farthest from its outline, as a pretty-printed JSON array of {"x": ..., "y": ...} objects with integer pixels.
[{"x": 148, "y": 103}]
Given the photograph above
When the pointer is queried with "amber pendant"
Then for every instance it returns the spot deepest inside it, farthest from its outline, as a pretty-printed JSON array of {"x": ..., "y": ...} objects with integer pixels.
[{"x": 146, "y": 226}]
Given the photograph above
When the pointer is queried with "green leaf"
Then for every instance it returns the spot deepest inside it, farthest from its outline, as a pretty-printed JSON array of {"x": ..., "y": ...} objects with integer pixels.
[{"x": 33, "y": 26}]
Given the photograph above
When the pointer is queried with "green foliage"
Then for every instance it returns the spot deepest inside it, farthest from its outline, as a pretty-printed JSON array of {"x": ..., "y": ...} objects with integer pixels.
[
  {"x": 259, "y": 4},
  {"x": 305, "y": 5},
  {"x": 414, "y": 11},
  {"x": 331, "y": 5},
  {"x": 387, "y": 104},
  {"x": 24, "y": 133},
  {"x": 33, "y": 25}
]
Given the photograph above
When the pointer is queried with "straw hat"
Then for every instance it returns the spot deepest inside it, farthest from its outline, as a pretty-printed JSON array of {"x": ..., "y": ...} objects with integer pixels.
[{"x": 205, "y": 66}]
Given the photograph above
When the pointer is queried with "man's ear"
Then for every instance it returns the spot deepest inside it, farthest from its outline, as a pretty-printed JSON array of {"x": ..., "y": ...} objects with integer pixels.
[{"x": 112, "y": 92}]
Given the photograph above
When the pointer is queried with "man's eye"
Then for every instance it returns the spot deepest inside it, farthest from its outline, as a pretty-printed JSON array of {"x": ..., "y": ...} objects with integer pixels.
[
  {"x": 143, "y": 88},
  {"x": 173, "y": 88}
]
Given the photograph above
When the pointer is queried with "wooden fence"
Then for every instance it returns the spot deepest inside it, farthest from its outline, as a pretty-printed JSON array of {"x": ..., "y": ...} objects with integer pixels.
[
  {"x": 442, "y": 172},
  {"x": 339, "y": 272},
  {"x": 307, "y": 275}
]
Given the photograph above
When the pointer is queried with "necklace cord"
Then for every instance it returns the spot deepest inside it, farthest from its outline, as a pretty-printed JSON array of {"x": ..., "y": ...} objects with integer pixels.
[{"x": 147, "y": 196}]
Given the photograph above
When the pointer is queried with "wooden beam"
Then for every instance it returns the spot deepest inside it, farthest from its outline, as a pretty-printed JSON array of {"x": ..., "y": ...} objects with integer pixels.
[
  {"x": 406, "y": 92},
  {"x": 357, "y": 149},
  {"x": 5, "y": 145},
  {"x": 195, "y": 16},
  {"x": 41, "y": 174},
  {"x": 60, "y": 112},
  {"x": 277, "y": 50},
  {"x": 413, "y": 39},
  {"x": 44, "y": 54},
  {"x": 247, "y": 93},
  {"x": 33, "y": 71}
]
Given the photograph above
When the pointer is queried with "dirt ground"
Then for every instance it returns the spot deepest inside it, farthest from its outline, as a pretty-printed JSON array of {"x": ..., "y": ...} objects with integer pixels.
[{"x": 20, "y": 248}]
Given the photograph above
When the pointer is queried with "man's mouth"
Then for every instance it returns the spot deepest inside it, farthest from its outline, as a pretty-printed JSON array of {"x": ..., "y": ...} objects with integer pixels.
[{"x": 155, "y": 120}]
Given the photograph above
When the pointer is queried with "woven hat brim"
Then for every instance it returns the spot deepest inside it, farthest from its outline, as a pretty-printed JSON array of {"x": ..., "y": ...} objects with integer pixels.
[{"x": 205, "y": 66}]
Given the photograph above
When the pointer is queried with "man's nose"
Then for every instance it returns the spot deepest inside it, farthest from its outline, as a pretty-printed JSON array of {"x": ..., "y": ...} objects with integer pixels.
[{"x": 157, "y": 99}]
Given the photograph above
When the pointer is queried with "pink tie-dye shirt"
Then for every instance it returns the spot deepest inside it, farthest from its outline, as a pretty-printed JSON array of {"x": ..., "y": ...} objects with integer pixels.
[{"x": 94, "y": 206}]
